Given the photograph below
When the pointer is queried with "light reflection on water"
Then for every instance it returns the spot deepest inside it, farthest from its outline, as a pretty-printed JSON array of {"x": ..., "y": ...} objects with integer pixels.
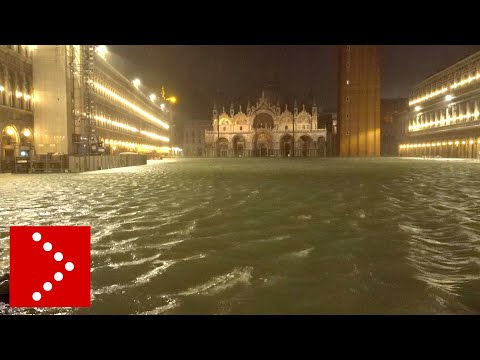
[{"x": 262, "y": 236}]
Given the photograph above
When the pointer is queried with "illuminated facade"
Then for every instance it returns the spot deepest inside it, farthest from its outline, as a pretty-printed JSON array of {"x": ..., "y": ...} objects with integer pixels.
[
  {"x": 265, "y": 130},
  {"x": 84, "y": 106},
  {"x": 358, "y": 101},
  {"x": 444, "y": 115},
  {"x": 16, "y": 103}
]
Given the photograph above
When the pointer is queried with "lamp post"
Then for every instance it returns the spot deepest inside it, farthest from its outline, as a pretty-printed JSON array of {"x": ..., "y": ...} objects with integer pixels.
[
  {"x": 217, "y": 143},
  {"x": 172, "y": 100}
]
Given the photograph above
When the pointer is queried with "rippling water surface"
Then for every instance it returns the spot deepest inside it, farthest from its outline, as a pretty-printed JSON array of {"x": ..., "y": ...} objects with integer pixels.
[{"x": 266, "y": 236}]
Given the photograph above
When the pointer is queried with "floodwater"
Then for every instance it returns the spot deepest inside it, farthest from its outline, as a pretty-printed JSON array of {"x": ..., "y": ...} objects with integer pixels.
[{"x": 266, "y": 236}]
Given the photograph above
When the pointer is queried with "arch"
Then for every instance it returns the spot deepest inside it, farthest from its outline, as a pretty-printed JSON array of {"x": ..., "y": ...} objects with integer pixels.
[
  {"x": 239, "y": 145},
  {"x": 9, "y": 139},
  {"x": 263, "y": 120},
  {"x": 263, "y": 144},
  {"x": 10, "y": 135},
  {"x": 26, "y": 136},
  {"x": 306, "y": 145},
  {"x": 225, "y": 121},
  {"x": 286, "y": 145},
  {"x": 222, "y": 147}
]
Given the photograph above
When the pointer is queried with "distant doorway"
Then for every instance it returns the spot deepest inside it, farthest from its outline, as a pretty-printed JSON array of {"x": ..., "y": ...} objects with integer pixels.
[{"x": 264, "y": 151}]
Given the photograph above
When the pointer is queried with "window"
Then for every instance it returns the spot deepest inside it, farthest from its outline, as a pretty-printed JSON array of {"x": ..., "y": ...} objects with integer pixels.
[
  {"x": 286, "y": 127},
  {"x": 348, "y": 82},
  {"x": 347, "y": 116},
  {"x": 303, "y": 127},
  {"x": 348, "y": 99},
  {"x": 241, "y": 128},
  {"x": 224, "y": 128}
]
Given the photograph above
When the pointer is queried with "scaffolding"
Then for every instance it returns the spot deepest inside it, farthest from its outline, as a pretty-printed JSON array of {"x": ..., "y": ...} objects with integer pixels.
[{"x": 82, "y": 65}]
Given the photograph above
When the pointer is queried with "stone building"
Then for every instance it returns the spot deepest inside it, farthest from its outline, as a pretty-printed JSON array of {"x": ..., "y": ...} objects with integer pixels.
[
  {"x": 16, "y": 104},
  {"x": 266, "y": 129},
  {"x": 444, "y": 114}
]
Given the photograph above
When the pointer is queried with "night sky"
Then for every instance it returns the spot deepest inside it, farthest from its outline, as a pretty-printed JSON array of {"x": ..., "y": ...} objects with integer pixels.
[{"x": 196, "y": 73}]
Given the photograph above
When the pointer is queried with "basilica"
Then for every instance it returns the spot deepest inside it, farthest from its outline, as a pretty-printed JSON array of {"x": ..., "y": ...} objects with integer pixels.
[{"x": 265, "y": 130}]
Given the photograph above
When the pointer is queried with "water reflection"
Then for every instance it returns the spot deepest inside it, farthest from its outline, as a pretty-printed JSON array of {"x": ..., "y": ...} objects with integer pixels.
[{"x": 246, "y": 236}]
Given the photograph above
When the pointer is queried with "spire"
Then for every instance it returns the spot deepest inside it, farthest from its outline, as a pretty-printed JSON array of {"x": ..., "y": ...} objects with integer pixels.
[
  {"x": 215, "y": 112},
  {"x": 240, "y": 108},
  {"x": 295, "y": 107},
  {"x": 232, "y": 111},
  {"x": 303, "y": 107}
]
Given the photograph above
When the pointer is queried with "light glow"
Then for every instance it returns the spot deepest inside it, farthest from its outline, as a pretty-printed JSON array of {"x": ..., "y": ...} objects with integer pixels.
[
  {"x": 136, "y": 82},
  {"x": 132, "y": 106},
  {"x": 27, "y": 97},
  {"x": 132, "y": 129},
  {"x": 153, "y": 97},
  {"x": 10, "y": 131},
  {"x": 2, "y": 89},
  {"x": 155, "y": 136},
  {"x": 101, "y": 50},
  {"x": 443, "y": 90},
  {"x": 448, "y": 97},
  {"x": 429, "y": 96},
  {"x": 418, "y": 108},
  {"x": 475, "y": 115},
  {"x": 27, "y": 132},
  {"x": 18, "y": 94}
]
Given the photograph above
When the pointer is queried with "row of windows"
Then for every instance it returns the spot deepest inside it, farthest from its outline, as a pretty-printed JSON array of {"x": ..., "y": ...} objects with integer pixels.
[
  {"x": 456, "y": 76},
  {"x": 15, "y": 99},
  {"x": 263, "y": 126},
  {"x": 109, "y": 96},
  {"x": 453, "y": 114},
  {"x": 117, "y": 123}
]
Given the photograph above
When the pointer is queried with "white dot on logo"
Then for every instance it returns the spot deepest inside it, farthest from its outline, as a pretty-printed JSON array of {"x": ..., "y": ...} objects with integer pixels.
[
  {"x": 58, "y": 276},
  {"x": 37, "y": 236},
  {"x": 58, "y": 256},
  {"x": 47, "y": 286},
  {"x": 69, "y": 266},
  {"x": 36, "y": 296},
  {"x": 47, "y": 246}
]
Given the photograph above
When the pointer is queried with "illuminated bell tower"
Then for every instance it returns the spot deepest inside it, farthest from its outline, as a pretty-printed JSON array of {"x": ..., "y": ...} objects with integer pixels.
[{"x": 359, "y": 100}]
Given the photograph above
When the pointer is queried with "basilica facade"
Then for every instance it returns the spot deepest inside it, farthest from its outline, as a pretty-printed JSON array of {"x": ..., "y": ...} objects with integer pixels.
[{"x": 265, "y": 130}]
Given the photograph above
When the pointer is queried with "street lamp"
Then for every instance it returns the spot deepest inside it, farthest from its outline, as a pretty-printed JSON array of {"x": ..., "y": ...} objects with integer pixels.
[
  {"x": 102, "y": 51},
  {"x": 136, "y": 82},
  {"x": 172, "y": 100}
]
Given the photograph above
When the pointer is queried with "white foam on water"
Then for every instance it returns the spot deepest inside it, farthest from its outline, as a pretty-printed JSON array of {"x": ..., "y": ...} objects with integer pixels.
[
  {"x": 302, "y": 253},
  {"x": 161, "y": 309},
  {"x": 221, "y": 282}
]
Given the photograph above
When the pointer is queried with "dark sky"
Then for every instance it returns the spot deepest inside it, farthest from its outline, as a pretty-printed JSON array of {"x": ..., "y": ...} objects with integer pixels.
[{"x": 195, "y": 73}]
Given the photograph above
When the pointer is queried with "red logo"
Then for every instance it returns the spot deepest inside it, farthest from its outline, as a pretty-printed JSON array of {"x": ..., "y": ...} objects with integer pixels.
[{"x": 50, "y": 266}]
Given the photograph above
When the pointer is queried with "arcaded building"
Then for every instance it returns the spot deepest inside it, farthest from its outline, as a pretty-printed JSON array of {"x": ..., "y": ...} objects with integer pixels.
[
  {"x": 444, "y": 115},
  {"x": 265, "y": 129},
  {"x": 84, "y": 106},
  {"x": 358, "y": 100},
  {"x": 16, "y": 103}
]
